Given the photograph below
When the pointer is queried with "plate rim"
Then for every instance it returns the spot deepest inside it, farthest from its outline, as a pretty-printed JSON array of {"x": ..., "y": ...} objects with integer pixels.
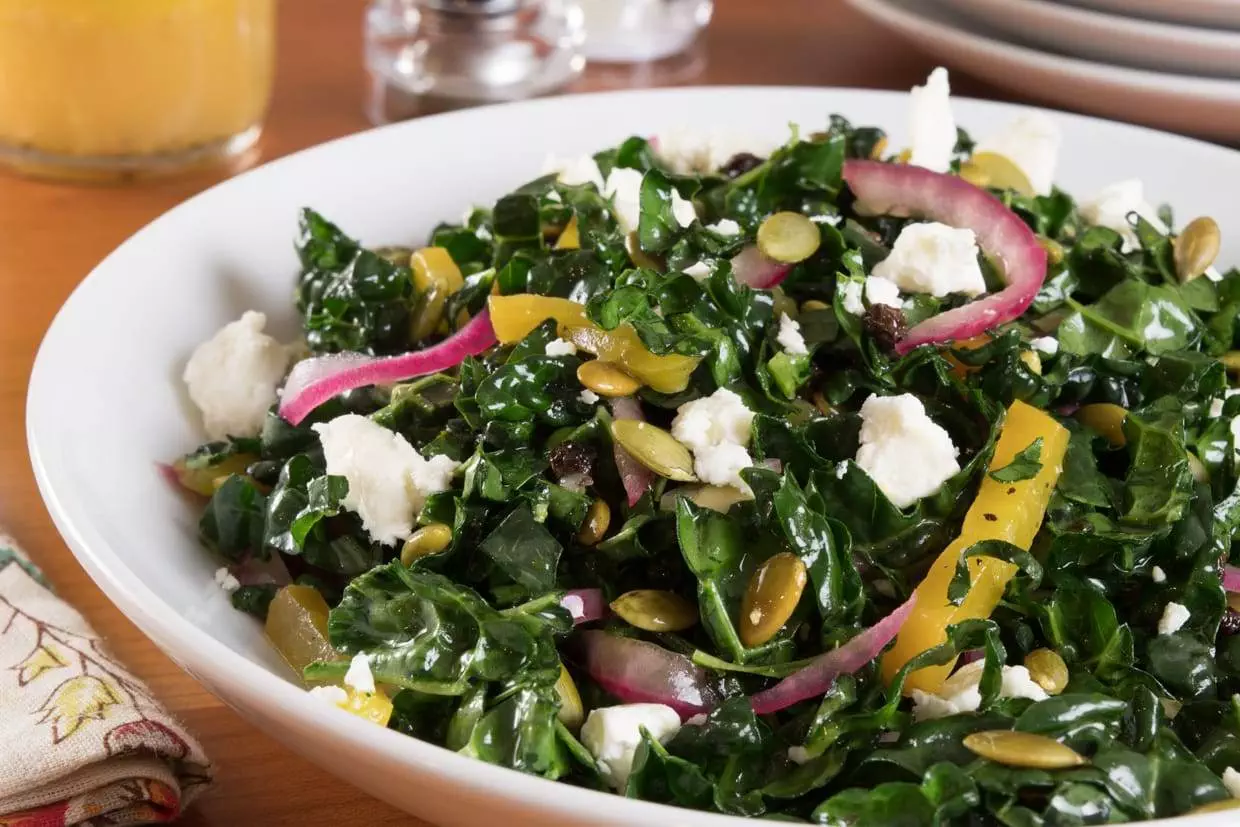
[{"x": 198, "y": 652}]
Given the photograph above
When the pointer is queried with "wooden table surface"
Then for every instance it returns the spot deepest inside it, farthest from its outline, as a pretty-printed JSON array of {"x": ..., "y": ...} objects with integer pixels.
[{"x": 52, "y": 235}]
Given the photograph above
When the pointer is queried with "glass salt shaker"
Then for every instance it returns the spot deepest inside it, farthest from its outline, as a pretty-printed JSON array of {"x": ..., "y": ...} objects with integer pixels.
[
  {"x": 428, "y": 56},
  {"x": 630, "y": 31}
]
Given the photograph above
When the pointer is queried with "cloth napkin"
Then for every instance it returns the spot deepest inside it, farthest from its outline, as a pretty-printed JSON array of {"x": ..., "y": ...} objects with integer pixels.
[{"x": 82, "y": 742}]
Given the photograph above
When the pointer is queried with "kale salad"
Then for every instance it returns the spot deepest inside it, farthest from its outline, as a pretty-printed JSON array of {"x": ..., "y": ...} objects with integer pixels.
[{"x": 829, "y": 481}]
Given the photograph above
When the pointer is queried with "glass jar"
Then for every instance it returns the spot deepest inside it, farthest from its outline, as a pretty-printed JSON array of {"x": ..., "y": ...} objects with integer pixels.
[
  {"x": 102, "y": 89},
  {"x": 431, "y": 55},
  {"x": 623, "y": 31}
]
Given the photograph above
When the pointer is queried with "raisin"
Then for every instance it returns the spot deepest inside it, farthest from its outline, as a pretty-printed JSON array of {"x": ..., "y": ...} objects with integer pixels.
[
  {"x": 886, "y": 324},
  {"x": 740, "y": 163},
  {"x": 1230, "y": 624},
  {"x": 572, "y": 458}
]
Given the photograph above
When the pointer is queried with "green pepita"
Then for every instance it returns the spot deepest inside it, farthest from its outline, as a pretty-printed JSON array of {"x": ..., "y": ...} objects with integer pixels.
[
  {"x": 654, "y": 448},
  {"x": 571, "y": 713},
  {"x": 655, "y": 611},
  {"x": 771, "y": 598},
  {"x": 606, "y": 379},
  {"x": 1023, "y": 749},
  {"x": 1048, "y": 670},
  {"x": 1054, "y": 250},
  {"x": 427, "y": 540},
  {"x": 788, "y": 237},
  {"x": 1196, "y": 248},
  {"x": 990, "y": 169},
  {"x": 595, "y": 525}
]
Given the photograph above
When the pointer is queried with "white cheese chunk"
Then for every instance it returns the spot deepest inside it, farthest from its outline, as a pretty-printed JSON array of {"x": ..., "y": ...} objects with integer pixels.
[
  {"x": 1158, "y": 575},
  {"x": 1231, "y": 780},
  {"x": 962, "y": 691},
  {"x": 686, "y": 150},
  {"x": 1110, "y": 208},
  {"x": 699, "y": 270},
  {"x": 613, "y": 733},
  {"x": 560, "y": 347},
  {"x": 388, "y": 479},
  {"x": 683, "y": 210},
  {"x": 716, "y": 429},
  {"x": 1174, "y": 616},
  {"x": 359, "y": 677},
  {"x": 789, "y": 336},
  {"x": 226, "y": 581},
  {"x": 1031, "y": 142},
  {"x": 1046, "y": 345},
  {"x": 575, "y": 171},
  {"x": 929, "y": 257},
  {"x": 905, "y": 452},
  {"x": 931, "y": 125},
  {"x": 588, "y": 396},
  {"x": 333, "y": 695},
  {"x": 1017, "y": 683},
  {"x": 850, "y": 291},
  {"x": 624, "y": 188},
  {"x": 232, "y": 377},
  {"x": 725, "y": 226},
  {"x": 882, "y": 291}
]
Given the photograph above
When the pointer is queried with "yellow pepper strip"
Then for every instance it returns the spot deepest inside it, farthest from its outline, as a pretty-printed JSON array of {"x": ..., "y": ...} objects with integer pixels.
[
  {"x": 959, "y": 369},
  {"x": 1009, "y": 511},
  {"x": 569, "y": 239},
  {"x": 375, "y": 707},
  {"x": 513, "y": 317},
  {"x": 436, "y": 277},
  {"x": 1106, "y": 419}
]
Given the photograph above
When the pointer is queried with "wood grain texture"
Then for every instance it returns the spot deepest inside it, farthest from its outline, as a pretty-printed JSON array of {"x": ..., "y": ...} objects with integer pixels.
[{"x": 52, "y": 235}]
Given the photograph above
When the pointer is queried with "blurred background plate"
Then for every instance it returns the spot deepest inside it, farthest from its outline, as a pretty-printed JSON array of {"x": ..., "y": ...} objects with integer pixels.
[
  {"x": 1220, "y": 14},
  {"x": 1113, "y": 38},
  {"x": 1208, "y": 107}
]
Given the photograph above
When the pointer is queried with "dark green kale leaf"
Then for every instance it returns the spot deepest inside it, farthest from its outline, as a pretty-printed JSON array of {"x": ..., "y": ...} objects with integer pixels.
[
  {"x": 232, "y": 524},
  {"x": 1026, "y": 465}
]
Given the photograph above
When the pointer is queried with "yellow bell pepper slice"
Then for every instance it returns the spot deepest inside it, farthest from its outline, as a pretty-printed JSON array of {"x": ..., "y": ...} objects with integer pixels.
[
  {"x": 375, "y": 707},
  {"x": 513, "y": 317},
  {"x": 297, "y": 627},
  {"x": 1107, "y": 420},
  {"x": 436, "y": 277},
  {"x": 206, "y": 479},
  {"x": 569, "y": 238},
  {"x": 1009, "y": 511}
]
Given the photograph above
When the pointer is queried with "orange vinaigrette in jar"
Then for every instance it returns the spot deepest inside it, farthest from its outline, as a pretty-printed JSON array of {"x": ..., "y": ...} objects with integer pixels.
[{"x": 111, "y": 88}]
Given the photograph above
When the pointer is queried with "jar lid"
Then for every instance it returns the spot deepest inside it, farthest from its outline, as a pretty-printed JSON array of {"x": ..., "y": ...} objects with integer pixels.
[{"x": 487, "y": 7}]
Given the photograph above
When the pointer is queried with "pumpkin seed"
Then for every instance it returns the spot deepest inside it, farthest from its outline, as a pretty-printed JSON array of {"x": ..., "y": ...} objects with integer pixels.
[
  {"x": 654, "y": 448},
  {"x": 1231, "y": 360},
  {"x": 781, "y": 303},
  {"x": 1047, "y": 670},
  {"x": 1054, "y": 250},
  {"x": 876, "y": 151},
  {"x": 1106, "y": 419},
  {"x": 1023, "y": 749},
  {"x": 1032, "y": 361},
  {"x": 990, "y": 169},
  {"x": 206, "y": 479},
  {"x": 1196, "y": 248},
  {"x": 606, "y": 379},
  {"x": 811, "y": 305},
  {"x": 571, "y": 713},
  {"x": 788, "y": 237},
  {"x": 1224, "y": 806},
  {"x": 655, "y": 611},
  {"x": 427, "y": 540},
  {"x": 771, "y": 597},
  {"x": 595, "y": 525},
  {"x": 639, "y": 256}
]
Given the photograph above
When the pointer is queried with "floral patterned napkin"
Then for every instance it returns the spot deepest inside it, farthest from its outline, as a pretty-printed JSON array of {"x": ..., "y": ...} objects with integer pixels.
[{"x": 81, "y": 740}]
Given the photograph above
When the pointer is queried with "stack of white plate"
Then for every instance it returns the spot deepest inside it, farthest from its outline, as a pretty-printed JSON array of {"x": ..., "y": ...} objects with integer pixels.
[{"x": 1173, "y": 64}]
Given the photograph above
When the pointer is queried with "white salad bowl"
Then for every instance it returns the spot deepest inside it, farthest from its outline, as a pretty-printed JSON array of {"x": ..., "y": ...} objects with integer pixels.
[{"x": 106, "y": 404}]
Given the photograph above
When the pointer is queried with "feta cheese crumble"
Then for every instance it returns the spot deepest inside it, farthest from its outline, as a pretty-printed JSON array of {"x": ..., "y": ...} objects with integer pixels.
[
  {"x": 683, "y": 210},
  {"x": 1046, "y": 345},
  {"x": 876, "y": 291},
  {"x": 1031, "y": 142},
  {"x": 929, "y": 257},
  {"x": 789, "y": 336},
  {"x": 685, "y": 150},
  {"x": 931, "y": 125},
  {"x": 716, "y": 429},
  {"x": 333, "y": 695},
  {"x": 232, "y": 377},
  {"x": 905, "y": 452},
  {"x": 613, "y": 733},
  {"x": 1173, "y": 618},
  {"x": 1110, "y": 208},
  {"x": 1158, "y": 575},
  {"x": 573, "y": 172},
  {"x": 850, "y": 293},
  {"x": 624, "y": 188},
  {"x": 560, "y": 347},
  {"x": 226, "y": 581},
  {"x": 588, "y": 396},
  {"x": 388, "y": 479},
  {"x": 962, "y": 691},
  {"x": 1231, "y": 780},
  {"x": 359, "y": 677},
  {"x": 698, "y": 270},
  {"x": 725, "y": 226}
]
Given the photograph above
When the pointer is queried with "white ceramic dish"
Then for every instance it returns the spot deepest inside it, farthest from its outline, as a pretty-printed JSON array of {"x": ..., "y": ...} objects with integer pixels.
[
  {"x": 105, "y": 402},
  {"x": 1208, "y": 107},
  {"x": 1219, "y": 14},
  {"x": 1095, "y": 35}
]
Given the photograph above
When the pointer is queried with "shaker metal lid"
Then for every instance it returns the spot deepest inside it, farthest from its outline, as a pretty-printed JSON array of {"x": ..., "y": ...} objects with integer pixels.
[{"x": 488, "y": 7}]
